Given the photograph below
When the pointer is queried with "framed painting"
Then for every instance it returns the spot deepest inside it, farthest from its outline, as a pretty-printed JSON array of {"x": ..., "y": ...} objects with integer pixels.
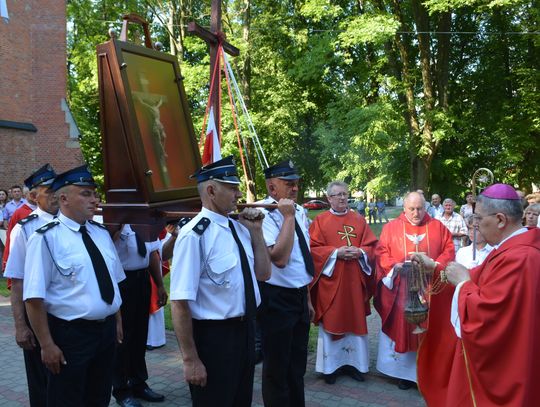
[
  {"x": 149, "y": 145},
  {"x": 146, "y": 124}
]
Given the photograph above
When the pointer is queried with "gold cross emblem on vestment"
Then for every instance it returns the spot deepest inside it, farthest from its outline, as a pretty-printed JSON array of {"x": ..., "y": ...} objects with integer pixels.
[{"x": 347, "y": 234}]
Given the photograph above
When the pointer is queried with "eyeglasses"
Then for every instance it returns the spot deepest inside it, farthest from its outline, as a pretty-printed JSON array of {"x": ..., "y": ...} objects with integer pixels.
[
  {"x": 341, "y": 195},
  {"x": 478, "y": 218}
]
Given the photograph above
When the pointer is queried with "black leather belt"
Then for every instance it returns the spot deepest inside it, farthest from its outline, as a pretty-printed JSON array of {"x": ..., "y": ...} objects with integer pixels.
[
  {"x": 241, "y": 318},
  {"x": 278, "y": 287},
  {"x": 81, "y": 321}
]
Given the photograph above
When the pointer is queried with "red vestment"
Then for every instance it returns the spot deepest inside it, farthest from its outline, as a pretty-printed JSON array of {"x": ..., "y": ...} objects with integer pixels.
[
  {"x": 341, "y": 301},
  {"x": 154, "y": 297},
  {"x": 20, "y": 213},
  {"x": 498, "y": 356},
  {"x": 394, "y": 246}
]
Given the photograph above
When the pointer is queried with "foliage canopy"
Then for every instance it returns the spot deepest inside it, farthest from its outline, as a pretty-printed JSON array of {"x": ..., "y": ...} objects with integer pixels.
[{"x": 384, "y": 94}]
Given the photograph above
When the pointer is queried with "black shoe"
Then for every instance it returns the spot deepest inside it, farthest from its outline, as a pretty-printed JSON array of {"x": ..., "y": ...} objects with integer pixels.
[
  {"x": 405, "y": 384},
  {"x": 330, "y": 378},
  {"x": 129, "y": 402},
  {"x": 148, "y": 394},
  {"x": 355, "y": 374}
]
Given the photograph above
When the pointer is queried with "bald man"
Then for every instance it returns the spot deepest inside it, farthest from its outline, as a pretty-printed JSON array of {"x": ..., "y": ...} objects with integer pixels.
[{"x": 413, "y": 231}]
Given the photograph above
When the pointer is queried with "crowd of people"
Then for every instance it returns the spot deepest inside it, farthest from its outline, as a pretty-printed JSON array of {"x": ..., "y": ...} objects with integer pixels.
[{"x": 453, "y": 291}]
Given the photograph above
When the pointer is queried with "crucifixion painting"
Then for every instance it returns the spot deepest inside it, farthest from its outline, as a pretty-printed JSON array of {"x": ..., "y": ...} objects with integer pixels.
[{"x": 152, "y": 103}]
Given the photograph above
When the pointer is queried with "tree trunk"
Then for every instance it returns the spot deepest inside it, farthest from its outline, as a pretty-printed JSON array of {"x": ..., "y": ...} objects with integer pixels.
[
  {"x": 426, "y": 150},
  {"x": 183, "y": 9},
  {"x": 403, "y": 45},
  {"x": 171, "y": 28},
  {"x": 443, "y": 59}
]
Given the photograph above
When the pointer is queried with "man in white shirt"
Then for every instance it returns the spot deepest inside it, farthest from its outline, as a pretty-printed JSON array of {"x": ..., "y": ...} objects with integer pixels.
[
  {"x": 47, "y": 207},
  {"x": 139, "y": 259},
  {"x": 214, "y": 295},
  {"x": 286, "y": 310},
  {"x": 71, "y": 277},
  {"x": 468, "y": 256}
]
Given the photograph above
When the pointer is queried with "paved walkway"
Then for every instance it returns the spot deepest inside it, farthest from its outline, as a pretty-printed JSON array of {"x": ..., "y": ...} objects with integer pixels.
[{"x": 165, "y": 370}]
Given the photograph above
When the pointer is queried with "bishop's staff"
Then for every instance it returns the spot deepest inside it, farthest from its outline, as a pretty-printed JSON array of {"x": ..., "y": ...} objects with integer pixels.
[{"x": 482, "y": 177}]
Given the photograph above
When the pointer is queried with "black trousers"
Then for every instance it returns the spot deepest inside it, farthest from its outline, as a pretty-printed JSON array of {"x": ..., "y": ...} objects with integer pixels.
[
  {"x": 284, "y": 320},
  {"x": 130, "y": 365},
  {"x": 88, "y": 347},
  {"x": 227, "y": 350},
  {"x": 36, "y": 374}
]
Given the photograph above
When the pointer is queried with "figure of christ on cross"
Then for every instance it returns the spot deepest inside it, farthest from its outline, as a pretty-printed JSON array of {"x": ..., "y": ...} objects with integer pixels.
[{"x": 152, "y": 103}]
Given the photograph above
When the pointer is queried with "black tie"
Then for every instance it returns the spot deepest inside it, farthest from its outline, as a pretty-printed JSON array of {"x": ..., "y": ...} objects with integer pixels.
[
  {"x": 100, "y": 268},
  {"x": 308, "y": 260},
  {"x": 141, "y": 247},
  {"x": 249, "y": 291}
]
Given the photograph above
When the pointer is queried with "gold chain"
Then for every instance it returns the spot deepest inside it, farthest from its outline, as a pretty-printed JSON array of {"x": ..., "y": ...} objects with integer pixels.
[{"x": 439, "y": 282}]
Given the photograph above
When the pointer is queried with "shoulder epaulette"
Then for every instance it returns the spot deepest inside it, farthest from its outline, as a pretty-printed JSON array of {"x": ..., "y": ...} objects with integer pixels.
[
  {"x": 101, "y": 225},
  {"x": 183, "y": 222},
  {"x": 201, "y": 226},
  {"x": 48, "y": 226},
  {"x": 29, "y": 218}
]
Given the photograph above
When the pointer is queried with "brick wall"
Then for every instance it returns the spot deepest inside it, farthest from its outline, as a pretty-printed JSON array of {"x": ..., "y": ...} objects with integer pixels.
[{"x": 32, "y": 86}]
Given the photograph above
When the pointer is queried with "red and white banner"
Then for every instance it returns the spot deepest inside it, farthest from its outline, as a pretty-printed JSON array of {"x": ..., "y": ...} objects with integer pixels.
[{"x": 212, "y": 146}]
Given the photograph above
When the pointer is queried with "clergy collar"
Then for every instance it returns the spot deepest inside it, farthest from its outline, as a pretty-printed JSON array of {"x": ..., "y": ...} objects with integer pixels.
[
  {"x": 487, "y": 247},
  {"x": 517, "y": 232},
  {"x": 339, "y": 213}
]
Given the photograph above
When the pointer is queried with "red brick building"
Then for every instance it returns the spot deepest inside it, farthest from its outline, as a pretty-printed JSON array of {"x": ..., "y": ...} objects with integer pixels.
[{"x": 35, "y": 125}]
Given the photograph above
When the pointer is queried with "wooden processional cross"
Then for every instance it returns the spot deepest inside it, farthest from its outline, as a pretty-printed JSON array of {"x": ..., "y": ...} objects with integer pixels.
[{"x": 212, "y": 38}]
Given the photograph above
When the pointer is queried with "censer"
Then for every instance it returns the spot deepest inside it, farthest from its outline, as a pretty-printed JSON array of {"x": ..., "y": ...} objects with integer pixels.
[{"x": 416, "y": 311}]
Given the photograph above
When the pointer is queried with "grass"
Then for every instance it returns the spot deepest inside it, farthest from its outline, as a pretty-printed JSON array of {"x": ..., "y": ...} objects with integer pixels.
[{"x": 4, "y": 292}]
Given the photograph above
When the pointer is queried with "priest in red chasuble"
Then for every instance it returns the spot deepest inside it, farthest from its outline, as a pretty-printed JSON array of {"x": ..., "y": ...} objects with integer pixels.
[
  {"x": 342, "y": 246},
  {"x": 494, "y": 312},
  {"x": 413, "y": 231}
]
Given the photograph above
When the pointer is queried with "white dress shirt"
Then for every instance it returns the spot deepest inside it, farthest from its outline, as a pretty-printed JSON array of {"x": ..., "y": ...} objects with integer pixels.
[
  {"x": 464, "y": 255},
  {"x": 127, "y": 249},
  {"x": 294, "y": 274},
  {"x": 18, "y": 239},
  {"x": 207, "y": 271},
  {"x": 59, "y": 270}
]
